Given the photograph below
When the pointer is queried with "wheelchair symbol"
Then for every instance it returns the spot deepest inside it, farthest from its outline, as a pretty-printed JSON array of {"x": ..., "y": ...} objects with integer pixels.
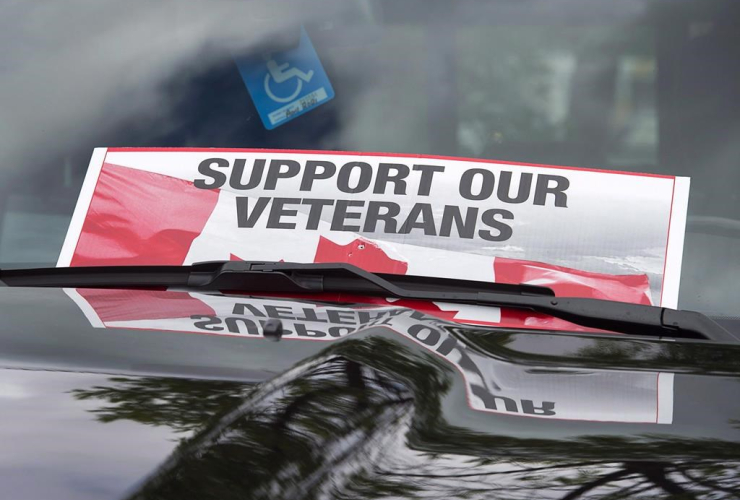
[{"x": 280, "y": 73}]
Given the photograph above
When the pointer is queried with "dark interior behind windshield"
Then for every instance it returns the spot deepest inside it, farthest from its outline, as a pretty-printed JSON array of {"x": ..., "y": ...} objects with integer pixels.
[{"x": 638, "y": 85}]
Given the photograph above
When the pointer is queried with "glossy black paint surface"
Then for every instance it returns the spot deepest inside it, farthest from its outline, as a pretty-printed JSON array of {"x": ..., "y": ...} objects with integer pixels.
[{"x": 104, "y": 413}]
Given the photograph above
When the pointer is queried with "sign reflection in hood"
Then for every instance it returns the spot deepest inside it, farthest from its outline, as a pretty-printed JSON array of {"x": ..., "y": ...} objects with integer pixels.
[{"x": 491, "y": 384}]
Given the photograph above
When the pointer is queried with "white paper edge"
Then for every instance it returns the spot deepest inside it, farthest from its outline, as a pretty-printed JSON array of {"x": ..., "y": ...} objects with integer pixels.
[
  {"x": 665, "y": 398},
  {"x": 85, "y": 307},
  {"x": 83, "y": 204},
  {"x": 676, "y": 234}
]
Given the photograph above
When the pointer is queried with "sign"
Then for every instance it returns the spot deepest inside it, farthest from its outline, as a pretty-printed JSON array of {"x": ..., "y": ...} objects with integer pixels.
[
  {"x": 584, "y": 233},
  {"x": 286, "y": 84},
  {"x": 493, "y": 385}
]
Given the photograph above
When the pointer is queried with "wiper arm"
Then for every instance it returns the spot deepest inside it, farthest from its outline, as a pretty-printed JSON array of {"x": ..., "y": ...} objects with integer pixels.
[{"x": 285, "y": 277}]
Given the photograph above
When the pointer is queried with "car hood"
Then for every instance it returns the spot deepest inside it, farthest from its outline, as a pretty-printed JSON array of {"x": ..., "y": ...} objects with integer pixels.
[{"x": 98, "y": 402}]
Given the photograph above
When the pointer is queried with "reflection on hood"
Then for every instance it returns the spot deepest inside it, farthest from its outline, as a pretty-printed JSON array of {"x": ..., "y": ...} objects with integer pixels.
[{"x": 369, "y": 424}]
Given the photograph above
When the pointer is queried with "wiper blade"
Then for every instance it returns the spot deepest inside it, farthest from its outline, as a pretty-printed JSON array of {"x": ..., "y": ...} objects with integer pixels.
[
  {"x": 286, "y": 277},
  {"x": 278, "y": 277}
]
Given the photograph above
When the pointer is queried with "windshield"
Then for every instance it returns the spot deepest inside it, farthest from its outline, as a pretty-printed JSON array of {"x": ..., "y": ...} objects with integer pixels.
[{"x": 638, "y": 85}]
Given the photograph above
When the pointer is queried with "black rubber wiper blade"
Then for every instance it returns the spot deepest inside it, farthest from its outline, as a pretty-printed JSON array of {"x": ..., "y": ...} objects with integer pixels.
[
  {"x": 279, "y": 277},
  {"x": 98, "y": 277},
  {"x": 285, "y": 277},
  {"x": 615, "y": 316}
]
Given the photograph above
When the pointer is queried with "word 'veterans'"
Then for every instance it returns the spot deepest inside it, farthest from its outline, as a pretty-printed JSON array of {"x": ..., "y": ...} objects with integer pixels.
[{"x": 392, "y": 198}]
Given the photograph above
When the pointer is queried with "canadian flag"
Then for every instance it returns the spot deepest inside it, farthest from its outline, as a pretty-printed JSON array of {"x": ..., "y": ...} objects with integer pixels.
[{"x": 138, "y": 217}]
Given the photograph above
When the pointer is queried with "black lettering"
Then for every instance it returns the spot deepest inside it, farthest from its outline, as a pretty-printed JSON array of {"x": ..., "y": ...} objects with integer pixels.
[
  {"x": 384, "y": 177},
  {"x": 243, "y": 217},
  {"x": 233, "y": 324},
  {"x": 420, "y": 316},
  {"x": 489, "y": 400},
  {"x": 205, "y": 168},
  {"x": 547, "y": 408},
  {"x": 279, "y": 312},
  {"x": 424, "y": 334},
  {"x": 509, "y": 404},
  {"x": 423, "y": 210},
  {"x": 427, "y": 173},
  {"x": 209, "y": 323},
  {"x": 340, "y": 331},
  {"x": 373, "y": 216},
  {"x": 366, "y": 175},
  {"x": 364, "y": 317},
  {"x": 465, "y": 227},
  {"x": 504, "y": 188},
  {"x": 302, "y": 331},
  {"x": 558, "y": 190},
  {"x": 310, "y": 174},
  {"x": 380, "y": 322},
  {"x": 276, "y": 172},
  {"x": 237, "y": 172},
  {"x": 341, "y": 317},
  {"x": 310, "y": 315},
  {"x": 489, "y": 219},
  {"x": 487, "y": 182},
  {"x": 447, "y": 345},
  {"x": 341, "y": 214},
  {"x": 278, "y": 211},
  {"x": 241, "y": 308},
  {"x": 314, "y": 214}
]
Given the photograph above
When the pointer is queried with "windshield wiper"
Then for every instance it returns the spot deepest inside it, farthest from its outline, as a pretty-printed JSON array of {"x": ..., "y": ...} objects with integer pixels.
[{"x": 285, "y": 277}]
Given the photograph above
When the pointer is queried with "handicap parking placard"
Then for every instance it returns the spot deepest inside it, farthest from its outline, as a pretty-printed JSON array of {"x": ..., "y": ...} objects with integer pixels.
[{"x": 286, "y": 84}]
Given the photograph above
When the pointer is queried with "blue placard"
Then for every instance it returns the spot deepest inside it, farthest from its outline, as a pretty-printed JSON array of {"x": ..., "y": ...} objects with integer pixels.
[{"x": 287, "y": 84}]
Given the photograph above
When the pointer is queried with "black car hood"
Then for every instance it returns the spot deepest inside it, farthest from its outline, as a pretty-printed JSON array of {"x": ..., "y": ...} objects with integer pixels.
[{"x": 98, "y": 405}]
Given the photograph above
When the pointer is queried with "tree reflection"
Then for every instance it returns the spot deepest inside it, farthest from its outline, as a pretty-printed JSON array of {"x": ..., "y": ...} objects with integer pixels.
[
  {"x": 365, "y": 420},
  {"x": 181, "y": 404},
  {"x": 570, "y": 480},
  {"x": 596, "y": 352}
]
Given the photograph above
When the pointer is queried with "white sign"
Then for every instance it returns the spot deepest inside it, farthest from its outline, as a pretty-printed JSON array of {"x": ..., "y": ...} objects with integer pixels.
[{"x": 584, "y": 233}]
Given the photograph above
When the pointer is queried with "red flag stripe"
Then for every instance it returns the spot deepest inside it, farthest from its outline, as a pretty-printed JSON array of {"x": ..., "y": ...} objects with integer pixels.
[
  {"x": 141, "y": 218},
  {"x": 566, "y": 282},
  {"x": 361, "y": 253},
  {"x": 133, "y": 305}
]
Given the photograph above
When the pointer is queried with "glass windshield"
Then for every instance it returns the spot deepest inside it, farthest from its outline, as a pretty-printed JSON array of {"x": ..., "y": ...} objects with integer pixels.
[{"x": 637, "y": 85}]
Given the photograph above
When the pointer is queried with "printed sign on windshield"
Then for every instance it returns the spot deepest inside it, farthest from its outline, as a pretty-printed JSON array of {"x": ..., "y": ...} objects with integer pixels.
[{"x": 581, "y": 232}]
